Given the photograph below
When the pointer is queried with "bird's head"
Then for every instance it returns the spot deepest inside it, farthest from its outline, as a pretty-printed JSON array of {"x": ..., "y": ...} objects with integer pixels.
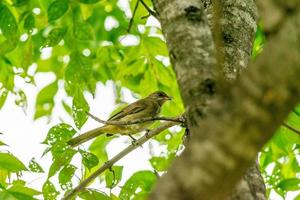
[{"x": 160, "y": 97}]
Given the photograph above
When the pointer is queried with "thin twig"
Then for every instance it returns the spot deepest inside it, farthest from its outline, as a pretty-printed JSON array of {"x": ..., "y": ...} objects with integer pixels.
[
  {"x": 180, "y": 119},
  {"x": 133, "y": 14},
  {"x": 117, "y": 157},
  {"x": 291, "y": 128},
  {"x": 151, "y": 12}
]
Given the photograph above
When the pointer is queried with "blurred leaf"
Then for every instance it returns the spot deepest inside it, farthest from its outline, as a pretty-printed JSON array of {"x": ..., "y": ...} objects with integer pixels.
[
  {"x": 21, "y": 192},
  {"x": 141, "y": 179},
  {"x": 93, "y": 194},
  {"x": 88, "y": 159},
  {"x": 292, "y": 184},
  {"x": 29, "y": 22},
  {"x": 21, "y": 99},
  {"x": 154, "y": 45},
  {"x": 89, "y": 1},
  {"x": 49, "y": 191},
  {"x": 2, "y": 143},
  {"x": 35, "y": 167},
  {"x": 79, "y": 109},
  {"x": 57, "y": 9},
  {"x": 45, "y": 100},
  {"x": 18, "y": 3},
  {"x": 8, "y": 23},
  {"x": 78, "y": 74},
  {"x": 113, "y": 176},
  {"x": 6, "y": 75},
  {"x": 161, "y": 163},
  {"x": 65, "y": 177},
  {"x": 3, "y": 96},
  {"x": 55, "y": 36},
  {"x": 258, "y": 42},
  {"x": 11, "y": 163},
  {"x": 83, "y": 31}
]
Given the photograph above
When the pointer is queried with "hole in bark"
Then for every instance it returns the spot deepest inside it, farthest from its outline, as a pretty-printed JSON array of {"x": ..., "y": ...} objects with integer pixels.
[
  {"x": 206, "y": 3},
  {"x": 227, "y": 37},
  {"x": 208, "y": 86},
  {"x": 193, "y": 13}
]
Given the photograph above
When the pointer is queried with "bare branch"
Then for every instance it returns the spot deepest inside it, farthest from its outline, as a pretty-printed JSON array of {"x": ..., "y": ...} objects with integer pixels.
[
  {"x": 151, "y": 12},
  {"x": 120, "y": 155},
  {"x": 179, "y": 119},
  {"x": 133, "y": 14}
]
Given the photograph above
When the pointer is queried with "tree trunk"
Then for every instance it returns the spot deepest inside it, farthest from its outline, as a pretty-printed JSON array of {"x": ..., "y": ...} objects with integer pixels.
[{"x": 229, "y": 120}]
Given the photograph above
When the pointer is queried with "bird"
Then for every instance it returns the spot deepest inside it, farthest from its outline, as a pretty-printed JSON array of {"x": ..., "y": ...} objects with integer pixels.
[{"x": 143, "y": 108}]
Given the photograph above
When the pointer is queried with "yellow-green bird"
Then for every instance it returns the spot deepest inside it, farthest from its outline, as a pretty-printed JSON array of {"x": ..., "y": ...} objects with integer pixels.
[{"x": 143, "y": 108}]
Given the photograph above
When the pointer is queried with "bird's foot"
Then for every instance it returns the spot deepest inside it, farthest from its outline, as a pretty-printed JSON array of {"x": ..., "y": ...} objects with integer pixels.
[
  {"x": 147, "y": 133},
  {"x": 134, "y": 141}
]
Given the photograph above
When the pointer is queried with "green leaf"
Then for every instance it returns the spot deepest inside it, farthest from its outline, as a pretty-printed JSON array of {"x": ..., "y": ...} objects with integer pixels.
[
  {"x": 88, "y": 159},
  {"x": 8, "y": 45},
  {"x": 6, "y": 73},
  {"x": 8, "y": 22},
  {"x": 20, "y": 191},
  {"x": 143, "y": 180},
  {"x": 88, "y": 1},
  {"x": 79, "y": 109},
  {"x": 93, "y": 194},
  {"x": 291, "y": 184},
  {"x": 11, "y": 163},
  {"x": 65, "y": 177},
  {"x": 55, "y": 36},
  {"x": 67, "y": 108},
  {"x": 61, "y": 157},
  {"x": 83, "y": 31},
  {"x": 155, "y": 46},
  {"x": 161, "y": 163},
  {"x": 35, "y": 167},
  {"x": 29, "y": 22},
  {"x": 21, "y": 99},
  {"x": 3, "y": 96},
  {"x": 19, "y": 3},
  {"x": 78, "y": 74},
  {"x": 57, "y": 9},
  {"x": 49, "y": 191},
  {"x": 113, "y": 176},
  {"x": 3, "y": 177},
  {"x": 45, "y": 100},
  {"x": 141, "y": 12},
  {"x": 2, "y": 143},
  {"x": 59, "y": 133}
]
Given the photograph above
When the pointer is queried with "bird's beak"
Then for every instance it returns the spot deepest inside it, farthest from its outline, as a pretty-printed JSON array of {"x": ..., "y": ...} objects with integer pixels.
[{"x": 168, "y": 98}]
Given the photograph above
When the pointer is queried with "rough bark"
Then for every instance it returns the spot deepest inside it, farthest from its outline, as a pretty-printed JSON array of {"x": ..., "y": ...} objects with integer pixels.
[
  {"x": 240, "y": 117},
  {"x": 237, "y": 31}
]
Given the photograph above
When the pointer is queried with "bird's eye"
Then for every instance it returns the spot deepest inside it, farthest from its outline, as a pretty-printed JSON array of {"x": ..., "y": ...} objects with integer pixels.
[{"x": 160, "y": 95}]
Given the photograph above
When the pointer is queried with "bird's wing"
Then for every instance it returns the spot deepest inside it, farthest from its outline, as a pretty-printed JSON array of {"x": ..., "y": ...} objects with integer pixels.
[{"x": 129, "y": 110}]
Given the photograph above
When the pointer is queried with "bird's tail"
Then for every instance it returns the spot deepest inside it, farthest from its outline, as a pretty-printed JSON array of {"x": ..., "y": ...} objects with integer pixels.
[{"x": 87, "y": 136}]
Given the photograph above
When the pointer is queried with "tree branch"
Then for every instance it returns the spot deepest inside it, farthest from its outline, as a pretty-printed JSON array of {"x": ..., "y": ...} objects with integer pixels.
[
  {"x": 291, "y": 128},
  {"x": 180, "y": 119},
  {"x": 247, "y": 112},
  {"x": 120, "y": 155},
  {"x": 133, "y": 14},
  {"x": 151, "y": 12}
]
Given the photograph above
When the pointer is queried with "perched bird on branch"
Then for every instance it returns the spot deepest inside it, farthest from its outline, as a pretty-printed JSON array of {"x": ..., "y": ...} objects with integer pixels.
[{"x": 143, "y": 108}]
